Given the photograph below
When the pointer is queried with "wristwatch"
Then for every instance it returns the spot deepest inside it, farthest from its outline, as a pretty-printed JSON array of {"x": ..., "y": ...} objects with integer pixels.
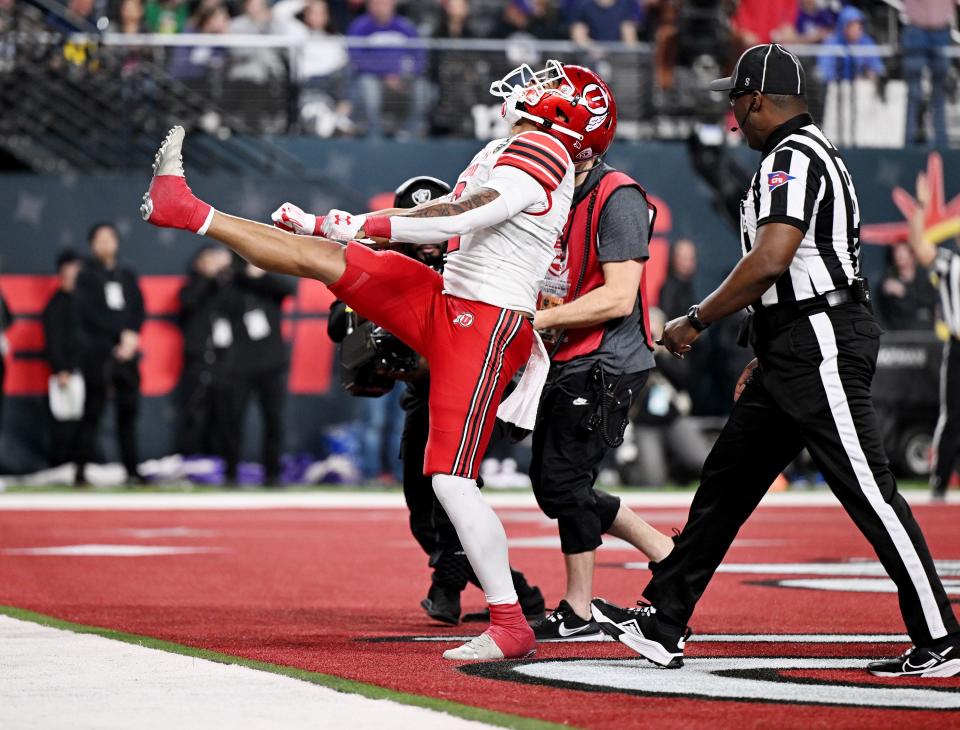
[{"x": 693, "y": 314}]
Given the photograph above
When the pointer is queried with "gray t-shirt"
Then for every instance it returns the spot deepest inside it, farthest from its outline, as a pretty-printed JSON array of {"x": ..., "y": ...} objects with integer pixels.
[{"x": 623, "y": 236}]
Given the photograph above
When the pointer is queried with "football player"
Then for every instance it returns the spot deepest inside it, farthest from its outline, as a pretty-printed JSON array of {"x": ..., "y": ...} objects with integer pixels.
[{"x": 473, "y": 323}]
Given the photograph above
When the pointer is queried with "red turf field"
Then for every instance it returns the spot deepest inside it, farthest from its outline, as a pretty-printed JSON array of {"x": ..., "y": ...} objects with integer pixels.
[{"x": 308, "y": 587}]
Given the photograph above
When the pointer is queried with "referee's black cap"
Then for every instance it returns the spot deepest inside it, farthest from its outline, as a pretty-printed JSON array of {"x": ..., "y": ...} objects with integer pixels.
[{"x": 769, "y": 69}]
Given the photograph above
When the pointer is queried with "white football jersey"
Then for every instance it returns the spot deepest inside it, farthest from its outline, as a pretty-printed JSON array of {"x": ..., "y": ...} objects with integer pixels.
[{"x": 504, "y": 264}]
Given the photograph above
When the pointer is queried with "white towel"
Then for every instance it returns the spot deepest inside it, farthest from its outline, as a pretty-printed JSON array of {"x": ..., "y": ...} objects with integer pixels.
[
  {"x": 66, "y": 403},
  {"x": 520, "y": 408}
]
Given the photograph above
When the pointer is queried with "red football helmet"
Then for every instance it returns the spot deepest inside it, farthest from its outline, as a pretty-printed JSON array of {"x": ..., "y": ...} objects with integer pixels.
[{"x": 572, "y": 103}]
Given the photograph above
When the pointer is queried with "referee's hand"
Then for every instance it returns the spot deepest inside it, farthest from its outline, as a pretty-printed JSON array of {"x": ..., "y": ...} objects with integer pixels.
[
  {"x": 744, "y": 379},
  {"x": 678, "y": 336}
]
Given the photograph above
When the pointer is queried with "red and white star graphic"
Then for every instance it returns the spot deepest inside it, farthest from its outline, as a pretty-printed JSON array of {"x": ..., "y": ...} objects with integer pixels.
[{"x": 942, "y": 220}]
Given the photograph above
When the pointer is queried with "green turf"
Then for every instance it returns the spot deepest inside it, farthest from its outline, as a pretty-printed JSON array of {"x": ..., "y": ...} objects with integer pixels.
[{"x": 339, "y": 684}]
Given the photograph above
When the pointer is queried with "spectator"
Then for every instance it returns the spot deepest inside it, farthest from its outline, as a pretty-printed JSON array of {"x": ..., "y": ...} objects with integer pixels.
[
  {"x": 925, "y": 39},
  {"x": 64, "y": 350},
  {"x": 677, "y": 292},
  {"x": 320, "y": 64},
  {"x": 814, "y": 22},
  {"x": 205, "y": 319},
  {"x": 662, "y": 24},
  {"x": 762, "y": 21},
  {"x": 455, "y": 75},
  {"x": 907, "y": 299},
  {"x": 850, "y": 32},
  {"x": 259, "y": 66},
  {"x": 536, "y": 18},
  {"x": 198, "y": 65},
  {"x": 78, "y": 16},
  {"x": 130, "y": 17},
  {"x": 455, "y": 20},
  {"x": 110, "y": 306},
  {"x": 606, "y": 20},
  {"x": 166, "y": 16},
  {"x": 259, "y": 365},
  {"x": 380, "y": 69}
]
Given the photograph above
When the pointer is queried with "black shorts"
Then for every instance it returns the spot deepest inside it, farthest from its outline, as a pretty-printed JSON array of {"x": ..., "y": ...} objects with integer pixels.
[{"x": 567, "y": 456}]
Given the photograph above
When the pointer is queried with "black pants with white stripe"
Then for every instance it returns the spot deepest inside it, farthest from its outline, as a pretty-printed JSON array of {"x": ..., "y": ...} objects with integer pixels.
[
  {"x": 946, "y": 439},
  {"x": 812, "y": 390}
]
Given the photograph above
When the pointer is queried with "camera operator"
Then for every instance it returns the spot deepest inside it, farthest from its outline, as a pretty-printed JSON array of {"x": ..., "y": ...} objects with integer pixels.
[
  {"x": 258, "y": 365},
  {"x": 429, "y": 523},
  {"x": 205, "y": 319},
  {"x": 593, "y": 318}
]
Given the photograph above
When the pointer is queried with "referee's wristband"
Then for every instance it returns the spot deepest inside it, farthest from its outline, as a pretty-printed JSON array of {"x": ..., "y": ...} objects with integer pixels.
[{"x": 693, "y": 316}]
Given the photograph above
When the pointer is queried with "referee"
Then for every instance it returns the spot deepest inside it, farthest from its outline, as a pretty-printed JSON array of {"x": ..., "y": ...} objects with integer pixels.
[
  {"x": 945, "y": 261},
  {"x": 816, "y": 343}
]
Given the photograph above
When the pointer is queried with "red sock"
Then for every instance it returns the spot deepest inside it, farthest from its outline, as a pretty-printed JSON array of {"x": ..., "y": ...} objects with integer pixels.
[
  {"x": 510, "y": 630},
  {"x": 175, "y": 205}
]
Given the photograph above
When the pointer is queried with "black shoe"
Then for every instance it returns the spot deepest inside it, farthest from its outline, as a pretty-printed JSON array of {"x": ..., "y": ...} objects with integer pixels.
[
  {"x": 640, "y": 629},
  {"x": 943, "y": 661},
  {"x": 531, "y": 603},
  {"x": 442, "y": 604},
  {"x": 563, "y": 624}
]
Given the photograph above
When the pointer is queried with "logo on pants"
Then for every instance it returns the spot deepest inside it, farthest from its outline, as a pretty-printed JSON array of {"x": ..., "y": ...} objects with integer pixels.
[{"x": 464, "y": 319}]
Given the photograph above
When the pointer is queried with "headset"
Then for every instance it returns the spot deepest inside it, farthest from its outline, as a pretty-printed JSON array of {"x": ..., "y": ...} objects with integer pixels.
[{"x": 742, "y": 123}]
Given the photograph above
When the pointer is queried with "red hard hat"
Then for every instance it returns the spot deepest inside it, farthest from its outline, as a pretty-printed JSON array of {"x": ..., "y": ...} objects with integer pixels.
[{"x": 571, "y": 103}]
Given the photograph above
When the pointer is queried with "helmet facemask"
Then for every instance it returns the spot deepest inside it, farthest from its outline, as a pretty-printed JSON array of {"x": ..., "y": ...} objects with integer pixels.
[{"x": 524, "y": 88}]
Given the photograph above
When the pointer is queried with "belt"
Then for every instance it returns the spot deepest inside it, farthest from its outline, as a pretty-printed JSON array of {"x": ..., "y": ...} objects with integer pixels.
[{"x": 777, "y": 315}]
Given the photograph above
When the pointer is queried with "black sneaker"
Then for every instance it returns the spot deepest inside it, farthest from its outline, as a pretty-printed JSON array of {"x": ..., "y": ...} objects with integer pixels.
[
  {"x": 442, "y": 604},
  {"x": 564, "y": 625},
  {"x": 916, "y": 662},
  {"x": 640, "y": 629}
]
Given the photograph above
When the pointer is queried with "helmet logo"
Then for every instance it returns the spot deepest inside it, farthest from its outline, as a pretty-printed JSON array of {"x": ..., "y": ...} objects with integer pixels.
[
  {"x": 421, "y": 196},
  {"x": 586, "y": 154},
  {"x": 595, "y": 122},
  {"x": 595, "y": 99}
]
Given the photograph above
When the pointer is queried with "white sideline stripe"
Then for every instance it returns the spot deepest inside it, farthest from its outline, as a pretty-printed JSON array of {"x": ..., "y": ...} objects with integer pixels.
[
  {"x": 51, "y": 678},
  {"x": 360, "y": 499},
  {"x": 110, "y": 551},
  {"x": 738, "y": 639},
  {"x": 837, "y": 398}
]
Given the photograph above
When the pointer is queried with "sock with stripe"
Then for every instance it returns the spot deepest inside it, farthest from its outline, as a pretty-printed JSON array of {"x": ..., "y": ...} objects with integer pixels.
[{"x": 481, "y": 534}]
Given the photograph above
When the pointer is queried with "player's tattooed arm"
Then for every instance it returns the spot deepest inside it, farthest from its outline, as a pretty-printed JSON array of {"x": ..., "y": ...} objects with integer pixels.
[
  {"x": 440, "y": 220},
  {"x": 444, "y": 206}
]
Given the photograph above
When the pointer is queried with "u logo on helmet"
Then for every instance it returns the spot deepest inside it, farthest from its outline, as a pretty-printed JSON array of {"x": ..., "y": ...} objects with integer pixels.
[{"x": 596, "y": 100}]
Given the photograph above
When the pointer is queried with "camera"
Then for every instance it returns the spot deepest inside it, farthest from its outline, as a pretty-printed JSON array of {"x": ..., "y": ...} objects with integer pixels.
[{"x": 372, "y": 359}]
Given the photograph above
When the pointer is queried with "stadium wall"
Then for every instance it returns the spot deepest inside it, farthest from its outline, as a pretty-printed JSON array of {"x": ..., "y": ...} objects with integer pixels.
[{"x": 46, "y": 213}]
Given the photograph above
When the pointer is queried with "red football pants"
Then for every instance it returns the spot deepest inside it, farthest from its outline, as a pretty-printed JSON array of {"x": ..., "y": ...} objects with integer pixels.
[{"x": 473, "y": 349}]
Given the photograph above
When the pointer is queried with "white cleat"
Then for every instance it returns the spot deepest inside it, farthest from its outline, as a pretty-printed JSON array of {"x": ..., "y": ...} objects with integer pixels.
[
  {"x": 479, "y": 649},
  {"x": 169, "y": 158},
  {"x": 167, "y": 161}
]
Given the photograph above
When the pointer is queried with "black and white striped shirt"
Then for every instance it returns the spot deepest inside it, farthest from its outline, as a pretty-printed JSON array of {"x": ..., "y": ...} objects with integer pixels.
[
  {"x": 947, "y": 268},
  {"x": 802, "y": 181}
]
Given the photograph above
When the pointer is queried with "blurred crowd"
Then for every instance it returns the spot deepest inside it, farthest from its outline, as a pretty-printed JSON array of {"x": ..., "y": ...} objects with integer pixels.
[{"x": 357, "y": 65}]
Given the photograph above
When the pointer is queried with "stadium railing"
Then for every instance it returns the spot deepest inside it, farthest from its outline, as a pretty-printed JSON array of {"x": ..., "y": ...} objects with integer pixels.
[{"x": 100, "y": 97}]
